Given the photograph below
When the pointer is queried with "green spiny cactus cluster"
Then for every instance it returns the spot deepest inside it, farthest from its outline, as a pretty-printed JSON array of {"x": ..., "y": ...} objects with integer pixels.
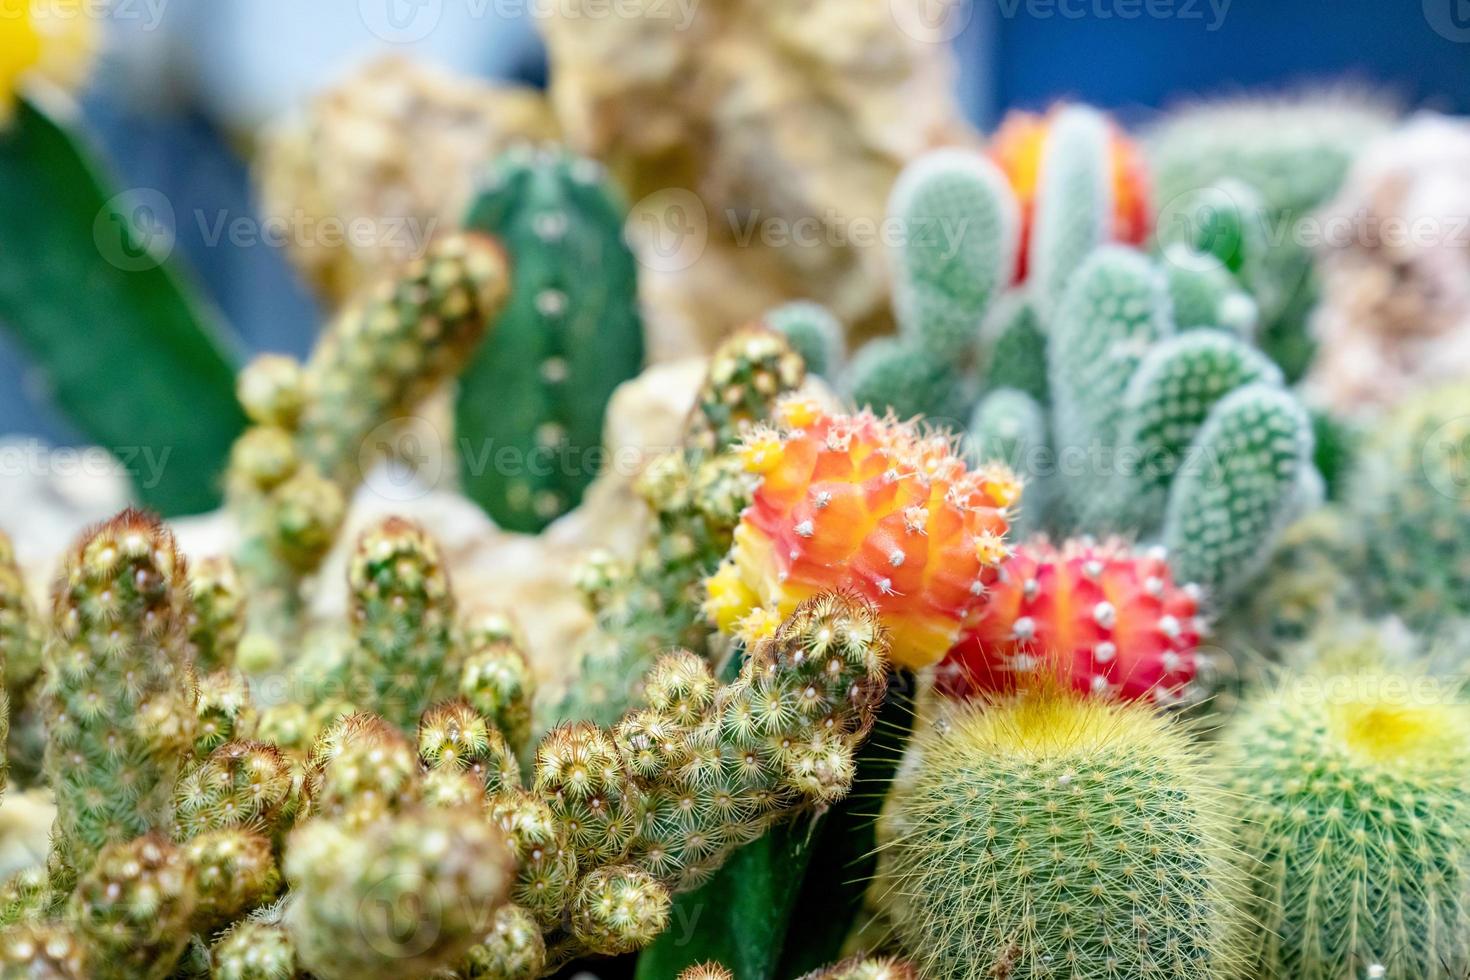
[
  {"x": 570, "y": 334},
  {"x": 856, "y": 968},
  {"x": 1057, "y": 836},
  {"x": 1260, "y": 167},
  {"x": 291, "y": 472},
  {"x": 21, "y": 641},
  {"x": 1351, "y": 822},
  {"x": 960, "y": 223},
  {"x": 696, "y": 495}
]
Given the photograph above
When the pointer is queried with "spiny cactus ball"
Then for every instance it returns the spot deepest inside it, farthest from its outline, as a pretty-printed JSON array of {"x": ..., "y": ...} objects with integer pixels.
[
  {"x": 868, "y": 505},
  {"x": 1054, "y": 835},
  {"x": 1352, "y": 821},
  {"x": 1098, "y": 616}
]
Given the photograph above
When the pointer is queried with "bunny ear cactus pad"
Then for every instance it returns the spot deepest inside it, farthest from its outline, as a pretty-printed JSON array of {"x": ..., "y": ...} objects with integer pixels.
[
  {"x": 1253, "y": 457},
  {"x": 1074, "y": 201},
  {"x": 569, "y": 336},
  {"x": 814, "y": 333}
]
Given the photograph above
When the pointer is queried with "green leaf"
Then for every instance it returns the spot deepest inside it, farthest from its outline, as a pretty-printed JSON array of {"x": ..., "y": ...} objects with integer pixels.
[
  {"x": 135, "y": 361},
  {"x": 742, "y": 916}
]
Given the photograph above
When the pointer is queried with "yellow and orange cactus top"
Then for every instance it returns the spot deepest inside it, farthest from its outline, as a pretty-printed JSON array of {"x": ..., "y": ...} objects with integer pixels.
[
  {"x": 1019, "y": 147},
  {"x": 869, "y": 506}
]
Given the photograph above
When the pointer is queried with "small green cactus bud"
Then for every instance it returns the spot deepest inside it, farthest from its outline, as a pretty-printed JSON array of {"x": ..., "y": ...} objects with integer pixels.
[
  {"x": 133, "y": 908},
  {"x": 580, "y": 775},
  {"x": 1352, "y": 821},
  {"x": 304, "y": 515},
  {"x": 546, "y": 864},
  {"x": 861, "y": 968},
  {"x": 456, "y": 737},
  {"x": 234, "y": 871},
  {"x": 363, "y": 768},
  {"x": 497, "y": 681},
  {"x": 120, "y": 697},
  {"x": 25, "y": 896},
  {"x": 600, "y": 573},
  {"x": 748, "y": 373},
  {"x": 224, "y": 710},
  {"x": 403, "y": 621},
  {"x": 513, "y": 950},
  {"x": 1058, "y": 832},
  {"x": 619, "y": 909},
  {"x": 271, "y": 389},
  {"x": 286, "y": 725},
  {"x": 216, "y": 618},
  {"x": 254, "y": 950},
  {"x": 814, "y": 334},
  {"x": 42, "y": 951},
  {"x": 239, "y": 784},
  {"x": 262, "y": 459},
  {"x": 707, "y": 971},
  {"x": 404, "y": 896}
]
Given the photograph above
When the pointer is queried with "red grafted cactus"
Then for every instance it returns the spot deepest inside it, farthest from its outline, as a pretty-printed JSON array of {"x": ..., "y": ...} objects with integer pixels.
[
  {"x": 1103, "y": 617},
  {"x": 869, "y": 506}
]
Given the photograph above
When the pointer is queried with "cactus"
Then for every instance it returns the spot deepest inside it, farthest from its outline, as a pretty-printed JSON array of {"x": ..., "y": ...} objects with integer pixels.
[
  {"x": 514, "y": 949},
  {"x": 233, "y": 871},
  {"x": 496, "y": 679},
  {"x": 696, "y": 494},
  {"x": 1058, "y": 835},
  {"x": 1204, "y": 293},
  {"x": 1097, "y": 617},
  {"x": 42, "y": 951},
  {"x": 856, "y": 968},
  {"x": 120, "y": 697},
  {"x": 814, "y": 334},
  {"x": 239, "y": 784},
  {"x": 290, "y": 473},
  {"x": 870, "y": 506},
  {"x": 217, "y": 614},
  {"x": 570, "y": 334},
  {"x": 1274, "y": 159},
  {"x": 401, "y": 896},
  {"x": 223, "y": 711},
  {"x": 403, "y": 618},
  {"x": 1411, "y": 494},
  {"x": 1014, "y": 347},
  {"x": 960, "y": 226},
  {"x": 132, "y": 909},
  {"x": 254, "y": 950},
  {"x": 1009, "y": 427},
  {"x": 1352, "y": 821}
]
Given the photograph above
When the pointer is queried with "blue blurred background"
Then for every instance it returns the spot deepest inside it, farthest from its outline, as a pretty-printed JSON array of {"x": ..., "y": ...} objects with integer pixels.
[{"x": 185, "y": 80}]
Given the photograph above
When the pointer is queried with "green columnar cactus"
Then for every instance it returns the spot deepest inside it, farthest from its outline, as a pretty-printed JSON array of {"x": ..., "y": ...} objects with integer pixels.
[
  {"x": 119, "y": 689},
  {"x": 254, "y": 950},
  {"x": 1195, "y": 425},
  {"x": 1074, "y": 203},
  {"x": 1204, "y": 293},
  {"x": 814, "y": 334},
  {"x": 223, "y": 710},
  {"x": 402, "y": 896},
  {"x": 21, "y": 645},
  {"x": 1411, "y": 493},
  {"x": 42, "y": 951},
  {"x": 497, "y": 679},
  {"x": 696, "y": 495},
  {"x": 133, "y": 908},
  {"x": 547, "y": 866},
  {"x": 1010, "y": 427},
  {"x": 1291, "y": 152},
  {"x": 960, "y": 223},
  {"x": 657, "y": 804},
  {"x": 1222, "y": 514},
  {"x": 216, "y": 615},
  {"x": 570, "y": 334},
  {"x": 403, "y": 616},
  {"x": 1058, "y": 835},
  {"x": 1352, "y": 822},
  {"x": 290, "y": 474}
]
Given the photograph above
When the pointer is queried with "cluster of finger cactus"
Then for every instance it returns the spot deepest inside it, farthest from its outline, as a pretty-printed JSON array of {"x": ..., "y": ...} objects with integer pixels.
[
  {"x": 1054, "y": 834},
  {"x": 1097, "y": 616},
  {"x": 316, "y": 427},
  {"x": 869, "y": 506},
  {"x": 696, "y": 494},
  {"x": 531, "y": 406},
  {"x": 1351, "y": 822}
]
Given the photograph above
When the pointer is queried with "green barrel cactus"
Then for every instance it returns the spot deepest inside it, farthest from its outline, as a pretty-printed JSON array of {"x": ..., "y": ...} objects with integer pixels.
[
  {"x": 1058, "y": 836},
  {"x": 1352, "y": 822},
  {"x": 531, "y": 404}
]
